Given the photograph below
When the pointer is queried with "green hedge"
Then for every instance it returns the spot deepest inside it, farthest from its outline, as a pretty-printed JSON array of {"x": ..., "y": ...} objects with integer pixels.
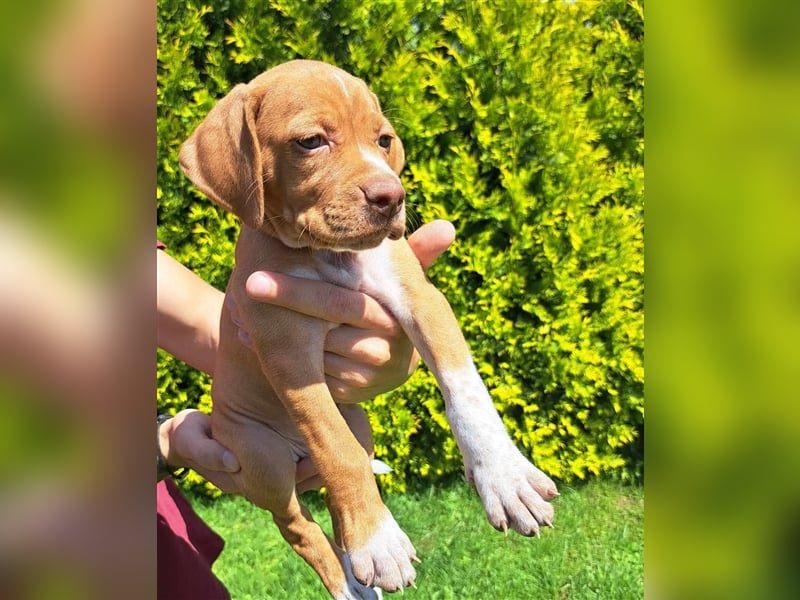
[{"x": 523, "y": 125}]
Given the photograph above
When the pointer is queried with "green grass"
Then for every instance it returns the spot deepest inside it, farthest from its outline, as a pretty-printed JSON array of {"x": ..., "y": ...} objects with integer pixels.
[{"x": 595, "y": 551}]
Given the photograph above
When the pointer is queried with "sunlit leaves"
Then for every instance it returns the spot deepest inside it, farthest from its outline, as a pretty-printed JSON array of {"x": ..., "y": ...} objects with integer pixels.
[{"x": 522, "y": 124}]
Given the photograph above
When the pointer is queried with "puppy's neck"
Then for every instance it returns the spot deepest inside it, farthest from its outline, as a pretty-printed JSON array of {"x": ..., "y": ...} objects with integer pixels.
[
  {"x": 342, "y": 268},
  {"x": 336, "y": 258}
]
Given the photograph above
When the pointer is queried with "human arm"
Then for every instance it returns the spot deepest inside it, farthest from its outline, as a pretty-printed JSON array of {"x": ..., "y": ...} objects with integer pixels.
[{"x": 188, "y": 311}]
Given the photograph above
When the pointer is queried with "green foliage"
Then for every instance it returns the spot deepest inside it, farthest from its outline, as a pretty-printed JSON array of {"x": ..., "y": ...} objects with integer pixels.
[
  {"x": 523, "y": 125},
  {"x": 596, "y": 550}
]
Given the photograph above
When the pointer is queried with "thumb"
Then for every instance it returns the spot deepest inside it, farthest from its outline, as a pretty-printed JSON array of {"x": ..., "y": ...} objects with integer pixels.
[
  {"x": 431, "y": 240},
  {"x": 213, "y": 456},
  {"x": 192, "y": 437}
]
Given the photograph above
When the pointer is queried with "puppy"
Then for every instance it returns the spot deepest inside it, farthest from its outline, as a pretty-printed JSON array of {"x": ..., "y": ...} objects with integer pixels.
[{"x": 306, "y": 159}]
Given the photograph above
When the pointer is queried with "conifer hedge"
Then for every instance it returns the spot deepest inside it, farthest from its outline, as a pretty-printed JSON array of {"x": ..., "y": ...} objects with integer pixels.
[{"x": 523, "y": 125}]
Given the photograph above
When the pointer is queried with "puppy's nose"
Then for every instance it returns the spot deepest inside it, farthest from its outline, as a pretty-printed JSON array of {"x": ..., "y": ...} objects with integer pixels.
[{"x": 384, "y": 196}]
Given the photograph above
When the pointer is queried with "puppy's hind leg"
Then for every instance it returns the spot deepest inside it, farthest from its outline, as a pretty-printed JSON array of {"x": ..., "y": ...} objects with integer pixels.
[
  {"x": 329, "y": 561},
  {"x": 268, "y": 480}
]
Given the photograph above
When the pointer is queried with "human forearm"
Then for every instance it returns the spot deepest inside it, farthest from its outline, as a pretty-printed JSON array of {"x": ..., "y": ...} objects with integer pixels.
[{"x": 188, "y": 314}]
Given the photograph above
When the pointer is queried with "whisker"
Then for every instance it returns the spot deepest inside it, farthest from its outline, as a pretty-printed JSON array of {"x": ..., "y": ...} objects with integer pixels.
[
  {"x": 412, "y": 217},
  {"x": 276, "y": 218},
  {"x": 300, "y": 235},
  {"x": 251, "y": 189}
]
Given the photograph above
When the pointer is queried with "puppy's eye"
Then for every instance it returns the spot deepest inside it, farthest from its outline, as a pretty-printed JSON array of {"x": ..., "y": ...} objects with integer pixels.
[
  {"x": 309, "y": 143},
  {"x": 385, "y": 142}
]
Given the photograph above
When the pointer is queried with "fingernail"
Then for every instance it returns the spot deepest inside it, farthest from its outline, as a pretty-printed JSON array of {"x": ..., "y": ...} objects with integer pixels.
[
  {"x": 230, "y": 462},
  {"x": 244, "y": 338},
  {"x": 260, "y": 284}
]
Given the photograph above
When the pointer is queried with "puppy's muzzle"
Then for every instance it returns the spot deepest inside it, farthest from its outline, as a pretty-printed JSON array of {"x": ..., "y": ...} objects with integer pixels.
[{"x": 386, "y": 198}]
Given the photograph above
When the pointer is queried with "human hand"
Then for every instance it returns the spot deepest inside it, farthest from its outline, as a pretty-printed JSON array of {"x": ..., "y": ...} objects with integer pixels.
[
  {"x": 368, "y": 354},
  {"x": 185, "y": 441}
]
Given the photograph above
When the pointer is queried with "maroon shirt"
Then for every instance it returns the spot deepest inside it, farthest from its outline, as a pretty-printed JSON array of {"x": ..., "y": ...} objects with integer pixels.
[{"x": 187, "y": 548}]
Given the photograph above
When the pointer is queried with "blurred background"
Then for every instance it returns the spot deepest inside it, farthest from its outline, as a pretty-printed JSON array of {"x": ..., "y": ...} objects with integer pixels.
[
  {"x": 77, "y": 225},
  {"x": 77, "y": 228},
  {"x": 722, "y": 259}
]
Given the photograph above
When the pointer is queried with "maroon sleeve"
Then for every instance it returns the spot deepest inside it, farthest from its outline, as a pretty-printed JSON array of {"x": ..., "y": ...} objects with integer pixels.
[{"x": 187, "y": 547}]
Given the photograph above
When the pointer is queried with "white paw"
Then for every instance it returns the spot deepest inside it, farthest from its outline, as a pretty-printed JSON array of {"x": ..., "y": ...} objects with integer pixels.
[
  {"x": 515, "y": 494},
  {"x": 385, "y": 559},
  {"x": 354, "y": 590}
]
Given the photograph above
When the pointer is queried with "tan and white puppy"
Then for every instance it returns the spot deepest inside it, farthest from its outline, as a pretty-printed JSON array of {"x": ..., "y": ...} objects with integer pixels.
[{"x": 305, "y": 157}]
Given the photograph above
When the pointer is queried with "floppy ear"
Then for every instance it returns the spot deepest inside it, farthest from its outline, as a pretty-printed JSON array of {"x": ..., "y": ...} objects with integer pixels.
[{"x": 223, "y": 158}]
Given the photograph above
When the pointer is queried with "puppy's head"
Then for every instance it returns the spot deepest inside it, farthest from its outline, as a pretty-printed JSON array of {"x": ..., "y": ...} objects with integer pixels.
[{"x": 304, "y": 153}]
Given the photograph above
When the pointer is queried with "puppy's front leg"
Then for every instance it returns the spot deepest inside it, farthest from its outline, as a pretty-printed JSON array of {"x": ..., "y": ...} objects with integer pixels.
[
  {"x": 514, "y": 493},
  {"x": 380, "y": 552}
]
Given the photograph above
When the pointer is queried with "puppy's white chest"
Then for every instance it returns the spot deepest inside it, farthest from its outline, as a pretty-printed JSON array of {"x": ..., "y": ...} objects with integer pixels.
[{"x": 370, "y": 271}]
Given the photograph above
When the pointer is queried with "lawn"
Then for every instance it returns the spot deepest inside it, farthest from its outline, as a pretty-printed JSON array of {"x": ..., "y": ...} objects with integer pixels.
[{"x": 596, "y": 549}]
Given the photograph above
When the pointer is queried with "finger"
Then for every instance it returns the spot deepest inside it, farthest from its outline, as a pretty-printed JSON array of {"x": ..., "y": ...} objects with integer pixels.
[
  {"x": 210, "y": 455},
  {"x": 305, "y": 469},
  {"x": 359, "y": 368},
  {"x": 351, "y": 343},
  {"x": 357, "y": 383},
  {"x": 312, "y": 483},
  {"x": 244, "y": 338},
  {"x": 193, "y": 441},
  {"x": 348, "y": 372},
  {"x": 319, "y": 299},
  {"x": 348, "y": 393},
  {"x": 233, "y": 310},
  {"x": 230, "y": 304},
  {"x": 431, "y": 240}
]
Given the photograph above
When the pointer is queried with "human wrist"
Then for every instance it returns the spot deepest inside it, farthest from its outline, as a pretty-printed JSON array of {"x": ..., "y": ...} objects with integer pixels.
[{"x": 164, "y": 463}]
